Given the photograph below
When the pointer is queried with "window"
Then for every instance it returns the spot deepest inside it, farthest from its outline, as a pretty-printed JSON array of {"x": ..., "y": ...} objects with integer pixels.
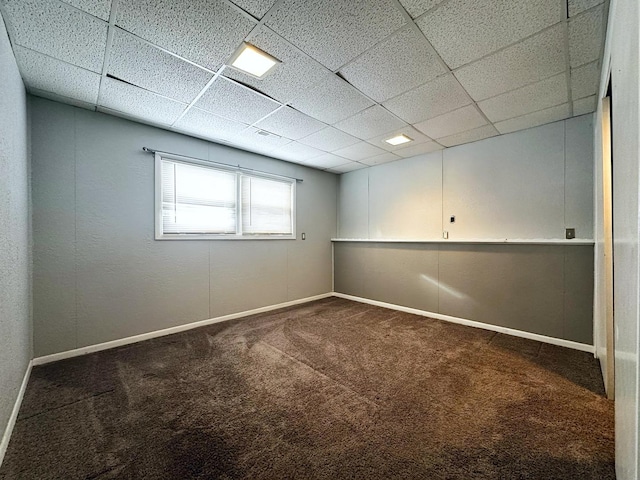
[{"x": 196, "y": 200}]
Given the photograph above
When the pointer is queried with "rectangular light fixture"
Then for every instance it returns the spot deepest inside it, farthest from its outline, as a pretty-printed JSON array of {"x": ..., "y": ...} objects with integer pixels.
[
  {"x": 252, "y": 60},
  {"x": 399, "y": 139}
]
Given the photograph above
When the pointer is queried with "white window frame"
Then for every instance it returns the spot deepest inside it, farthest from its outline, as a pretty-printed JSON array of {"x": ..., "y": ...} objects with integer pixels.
[{"x": 160, "y": 235}]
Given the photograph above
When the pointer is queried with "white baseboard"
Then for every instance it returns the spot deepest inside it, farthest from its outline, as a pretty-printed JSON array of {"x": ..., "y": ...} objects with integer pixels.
[
  {"x": 471, "y": 323},
  {"x": 168, "y": 331},
  {"x": 4, "y": 443}
]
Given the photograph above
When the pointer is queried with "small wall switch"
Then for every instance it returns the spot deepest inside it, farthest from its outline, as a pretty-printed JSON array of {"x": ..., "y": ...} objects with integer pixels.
[
  {"x": 571, "y": 233},
  {"x": 304, "y": 236},
  {"x": 445, "y": 234},
  {"x": 452, "y": 219}
]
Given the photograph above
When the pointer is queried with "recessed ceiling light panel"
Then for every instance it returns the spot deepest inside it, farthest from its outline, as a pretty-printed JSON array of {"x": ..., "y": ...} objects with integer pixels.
[
  {"x": 399, "y": 139},
  {"x": 252, "y": 60}
]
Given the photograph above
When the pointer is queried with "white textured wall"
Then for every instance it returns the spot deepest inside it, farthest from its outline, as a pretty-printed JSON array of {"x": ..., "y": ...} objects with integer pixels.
[
  {"x": 99, "y": 275},
  {"x": 622, "y": 55},
  {"x": 15, "y": 263}
]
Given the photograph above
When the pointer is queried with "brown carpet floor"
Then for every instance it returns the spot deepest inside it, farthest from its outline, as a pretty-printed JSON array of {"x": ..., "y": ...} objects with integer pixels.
[{"x": 328, "y": 390}]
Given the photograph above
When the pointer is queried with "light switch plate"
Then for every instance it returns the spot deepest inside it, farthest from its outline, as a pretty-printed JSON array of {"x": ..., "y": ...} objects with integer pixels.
[{"x": 571, "y": 233}]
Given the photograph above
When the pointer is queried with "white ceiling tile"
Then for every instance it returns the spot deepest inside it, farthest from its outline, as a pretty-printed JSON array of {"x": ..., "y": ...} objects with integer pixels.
[
  {"x": 541, "y": 95},
  {"x": 290, "y": 123},
  {"x": 585, "y": 79},
  {"x": 207, "y": 125},
  {"x": 256, "y": 140},
  {"x": 577, "y": 6},
  {"x": 257, "y": 8},
  {"x": 430, "y": 100},
  {"x": 535, "y": 119},
  {"x": 585, "y": 36},
  {"x": 347, "y": 167},
  {"x": 139, "y": 103},
  {"x": 465, "y": 30},
  {"x": 328, "y": 160},
  {"x": 345, "y": 100},
  {"x": 370, "y": 123},
  {"x": 294, "y": 75},
  {"x": 49, "y": 74},
  {"x": 141, "y": 64},
  {"x": 397, "y": 64},
  {"x": 329, "y": 139},
  {"x": 231, "y": 100},
  {"x": 461, "y": 120},
  {"x": 469, "y": 136},
  {"x": 337, "y": 31},
  {"x": 526, "y": 62},
  {"x": 296, "y": 152},
  {"x": 380, "y": 159},
  {"x": 415, "y": 8},
  {"x": 584, "y": 105},
  {"x": 58, "y": 30},
  {"x": 206, "y": 32},
  {"x": 97, "y": 8},
  {"x": 409, "y": 131},
  {"x": 419, "y": 149},
  {"x": 359, "y": 151}
]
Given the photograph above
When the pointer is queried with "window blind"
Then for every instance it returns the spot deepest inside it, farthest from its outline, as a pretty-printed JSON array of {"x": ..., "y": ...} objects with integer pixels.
[{"x": 266, "y": 206}]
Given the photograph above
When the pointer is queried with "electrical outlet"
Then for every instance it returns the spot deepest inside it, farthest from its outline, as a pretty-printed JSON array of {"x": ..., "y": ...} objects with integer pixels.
[
  {"x": 445, "y": 234},
  {"x": 571, "y": 233},
  {"x": 304, "y": 236}
]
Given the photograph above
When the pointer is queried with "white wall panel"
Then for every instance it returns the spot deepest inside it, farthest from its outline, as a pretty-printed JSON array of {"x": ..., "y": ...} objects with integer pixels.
[
  {"x": 579, "y": 175},
  {"x": 353, "y": 204}
]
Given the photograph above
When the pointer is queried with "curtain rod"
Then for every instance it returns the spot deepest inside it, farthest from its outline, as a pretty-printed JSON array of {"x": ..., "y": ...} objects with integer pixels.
[{"x": 151, "y": 150}]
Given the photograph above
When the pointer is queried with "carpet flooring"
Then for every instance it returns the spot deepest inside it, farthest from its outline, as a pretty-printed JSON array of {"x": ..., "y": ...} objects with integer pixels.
[{"x": 327, "y": 390}]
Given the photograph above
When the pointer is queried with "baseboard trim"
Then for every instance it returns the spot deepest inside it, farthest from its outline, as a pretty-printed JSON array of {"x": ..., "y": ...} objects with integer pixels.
[
  {"x": 4, "y": 443},
  {"x": 168, "y": 331},
  {"x": 472, "y": 323}
]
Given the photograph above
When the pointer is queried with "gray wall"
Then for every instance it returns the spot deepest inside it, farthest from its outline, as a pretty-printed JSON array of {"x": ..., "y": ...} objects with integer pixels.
[
  {"x": 15, "y": 221},
  {"x": 530, "y": 184},
  {"x": 99, "y": 275}
]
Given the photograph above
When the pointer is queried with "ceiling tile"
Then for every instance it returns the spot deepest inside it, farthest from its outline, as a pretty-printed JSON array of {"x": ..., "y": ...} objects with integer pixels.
[
  {"x": 380, "y": 159},
  {"x": 329, "y": 139},
  {"x": 49, "y": 74},
  {"x": 469, "y": 136},
  {"x": 231, "y": 100},
  {"x": 487, "y": 26},
  {"x": 328, "y": 160},
  {"x": 97, "y": 8},
  {"x": 207, "y": 125},
  {"x": 347, "y": 167},
  {"x": 337, "y": 31},
  {"x": 541, "y": 95},
  {"x": 345, "y": 100},
  {"x": 139, "y": 103},
  {"x": 296, "y": 152},
  {"x": 359, "y": 151},
  {"x": 535, "y": 119},
  {"x": 370, "y": 123},
  {"x": 577, "y": 6},
  {"x": 409, "y": 131},
  {"x": 418, "y": 7},
  {"x": 58, "y": 30},
  {"x": 526, "y": 62},
  {"x": 584, "y": 105},
  {"x": 255, "y": 140},
  {"x": 257, "y": 8},
  {"x": 141, "y": 64},
  {"x": 206, "y": 32},
  {"x": 419, "y": 149},
  {"x": 585, "y": 36},
  {"x": 399, "y": 63},
  {"x": 430, "y": 100},
  {"x": 461, "y": 120},
  {"x": 585, "y": 80},
  {"x": 295, "y": 74},
  {"x": 290, "y": 123}
]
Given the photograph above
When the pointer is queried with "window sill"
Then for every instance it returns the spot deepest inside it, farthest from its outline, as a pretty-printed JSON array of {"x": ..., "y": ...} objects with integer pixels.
[{"x": 224, "y": 237}]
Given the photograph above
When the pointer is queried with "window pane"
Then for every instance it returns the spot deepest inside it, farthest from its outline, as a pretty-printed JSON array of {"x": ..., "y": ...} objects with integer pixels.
[
  {"x": 197, "y": 199},
  {"x": 266, "y": 206}
]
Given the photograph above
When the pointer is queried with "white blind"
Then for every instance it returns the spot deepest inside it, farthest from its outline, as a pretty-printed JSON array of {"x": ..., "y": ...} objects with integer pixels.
[
  {"x": 197, "y": 199},
  {"x": 266, "y": 206}
]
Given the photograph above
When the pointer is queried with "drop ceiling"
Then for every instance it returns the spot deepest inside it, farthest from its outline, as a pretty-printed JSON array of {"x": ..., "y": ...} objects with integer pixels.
[{"x": 353, "y": 73}]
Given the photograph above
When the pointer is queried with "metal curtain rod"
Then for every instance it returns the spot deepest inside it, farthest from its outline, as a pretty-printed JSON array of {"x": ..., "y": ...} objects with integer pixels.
[{"x": 151, "y": 150}]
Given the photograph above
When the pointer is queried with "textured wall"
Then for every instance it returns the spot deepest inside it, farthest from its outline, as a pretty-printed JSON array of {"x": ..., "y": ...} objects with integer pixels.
[
  {"x": 15, "y": 261},
  {"x": 99, "y": 275}
]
